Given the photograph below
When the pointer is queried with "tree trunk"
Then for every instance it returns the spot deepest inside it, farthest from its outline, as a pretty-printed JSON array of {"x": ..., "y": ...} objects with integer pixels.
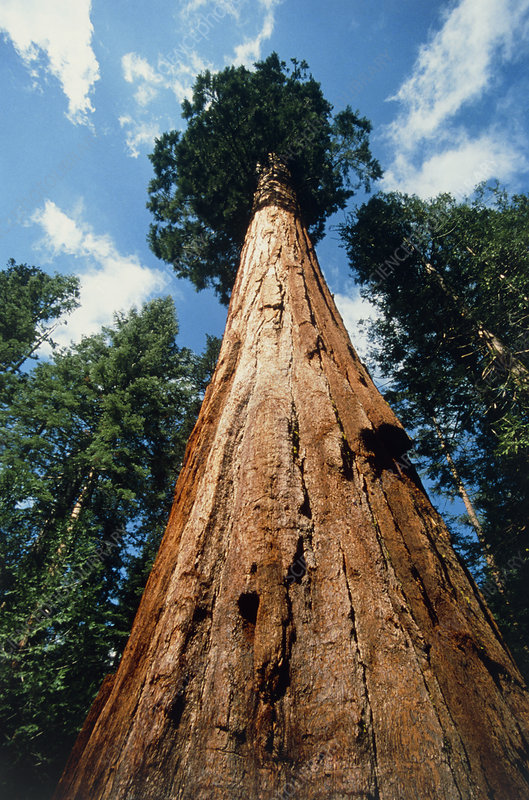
[
  {"x": 307, "y": 630},
  {"x": 43, "y": 336},
  {"x": 74, "y": 516},
  {"x": 471, "y": 511}
]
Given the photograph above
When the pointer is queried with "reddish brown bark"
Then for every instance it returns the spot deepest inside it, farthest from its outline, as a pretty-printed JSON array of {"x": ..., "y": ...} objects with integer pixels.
[{"x": 307, "y": 630}]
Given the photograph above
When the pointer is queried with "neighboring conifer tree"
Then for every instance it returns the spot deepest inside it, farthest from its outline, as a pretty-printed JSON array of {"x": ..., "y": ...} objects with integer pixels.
[{"x": 32, "y": 304}]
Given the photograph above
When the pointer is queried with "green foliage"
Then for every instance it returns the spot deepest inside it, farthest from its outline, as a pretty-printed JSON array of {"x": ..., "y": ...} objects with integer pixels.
[
  {"x": 451, "y": 283},
  {"x": 466, "y": 267},
  {"x": 91, "y": 445},
  {"x": 31, "y": 302},
  {"x": 201, "y": 195}
]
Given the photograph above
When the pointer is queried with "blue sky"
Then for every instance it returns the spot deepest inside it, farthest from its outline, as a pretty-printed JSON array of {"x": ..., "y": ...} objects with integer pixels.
[{"x": 86, "y": 86}]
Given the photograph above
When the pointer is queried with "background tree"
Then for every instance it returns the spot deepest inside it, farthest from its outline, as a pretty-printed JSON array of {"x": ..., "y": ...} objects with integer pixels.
[
  {"x": 451, "y": 283},
  {"x": 205, "y": 179},
  {"x": 90, "y": 449}
]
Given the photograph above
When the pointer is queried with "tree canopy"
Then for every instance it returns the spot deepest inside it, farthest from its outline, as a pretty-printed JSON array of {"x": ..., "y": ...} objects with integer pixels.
[{"x": 205, "y": 178}]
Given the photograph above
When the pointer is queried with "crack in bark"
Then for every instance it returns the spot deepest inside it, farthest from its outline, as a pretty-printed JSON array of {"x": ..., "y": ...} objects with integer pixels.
[
  {"x": 307, "y": 298},
  {"x": 281, "y": 306},
  {"x": 367, "y": 708},
  {"x": 273, "y": 684},
  {"x": 348, "y": 458},
  {"x": 316, "y": 272},
  {"x": 298, "y": 568}
]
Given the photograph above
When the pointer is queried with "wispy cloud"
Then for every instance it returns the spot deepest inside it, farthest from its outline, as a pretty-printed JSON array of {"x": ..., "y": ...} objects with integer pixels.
[
  {"x": 175, "y": 75},
  {"x": 172, "y": 73},
  {"x": 140, "y": 134},
  {"x": 110, "y": 281},
  {"x": 458, "y": 169},
  {"x": 231, "y": 7},
  {"x": 456, "y": 68},
  {"x": 250, "y": 50},
  {"x": 138, "y": 70},
  {"x": 60, "y": 30}
]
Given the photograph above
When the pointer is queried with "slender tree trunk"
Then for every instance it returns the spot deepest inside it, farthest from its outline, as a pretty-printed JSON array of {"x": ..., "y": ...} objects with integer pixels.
[
  {"x": 39, "y": 546},
  {"x": 307, "y": 630},
  {"x": 59, "y": 553},
  {"x": 503, "y": 360},
  {"x": 43, "y": 336},
  {"x": 74, "y": 516},
  {"x": 471, "y": 511},
  {"x": 504, "y": 279}
]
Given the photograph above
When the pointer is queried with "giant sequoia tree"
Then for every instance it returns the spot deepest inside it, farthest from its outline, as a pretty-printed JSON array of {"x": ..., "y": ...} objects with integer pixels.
[{"x": 307, "y": 630}]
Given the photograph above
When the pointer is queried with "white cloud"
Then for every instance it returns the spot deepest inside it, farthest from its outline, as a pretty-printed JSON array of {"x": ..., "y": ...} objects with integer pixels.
[
  {"x": 250, "y": 50},
  {"x": 140, "y": 134},
  {"x": 110, "y": 281},
  {"x": 138, "y": 70},
  {"x": 62, "y": 31},
  {"x": 457, "y": 169},
  {"x": 222, "y": 7},
  {"x": 193, "y": 6},
  {"x": 134, "y": 67},
  {"x": 170, "y": 74},
  {"x": 458, "y": 66}
]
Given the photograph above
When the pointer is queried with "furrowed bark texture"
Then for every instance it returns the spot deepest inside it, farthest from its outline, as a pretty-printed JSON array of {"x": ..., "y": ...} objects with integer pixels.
[{"x": 307, "y": 631}]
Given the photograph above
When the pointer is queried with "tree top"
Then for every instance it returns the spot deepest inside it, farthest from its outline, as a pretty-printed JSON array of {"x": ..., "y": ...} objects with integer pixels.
[{"x": 205, "y": 178}]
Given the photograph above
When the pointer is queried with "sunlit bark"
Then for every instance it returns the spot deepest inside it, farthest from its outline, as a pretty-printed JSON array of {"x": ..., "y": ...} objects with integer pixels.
[{"x": 307, "y": 630}]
